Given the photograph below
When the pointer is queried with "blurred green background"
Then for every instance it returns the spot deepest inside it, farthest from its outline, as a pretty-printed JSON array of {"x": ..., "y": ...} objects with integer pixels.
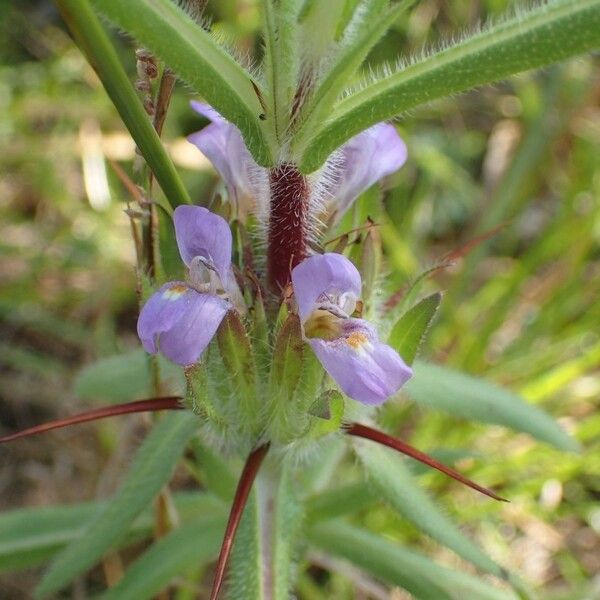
[{"x": 521, "y": 309}]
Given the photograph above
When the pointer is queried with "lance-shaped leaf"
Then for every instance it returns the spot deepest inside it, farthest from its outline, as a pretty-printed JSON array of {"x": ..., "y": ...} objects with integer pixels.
[
  {"x": 473, "y": 398},
  {"x": 281, "y": 60},
  {"x": 94, "y": 42},
  {"x": 262, "y": 560},
  {"x": 236, "y": 352},
  {"x": 193, "y": 54},
  {"x": 30, "y": 536},
  {"x": 393, "y": 481},
  {"x": 549, "y": 32},
  {"x": 242, "y": 516},
  {"x": 189, "y": 546},
  {"x": 369, "y": 24},
  {"x": 398, "y": 566},
  {"x": 151, "y": 468},
  {"x": 410, "y": 330},
  {"x": 340, "y": 501}
]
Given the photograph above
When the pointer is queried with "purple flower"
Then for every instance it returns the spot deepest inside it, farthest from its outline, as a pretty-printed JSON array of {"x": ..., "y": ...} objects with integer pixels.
[
  {"x": 366, "y": 158},
  {"x": 181, "y": 318},
  {"x": 361, "y": 162},
  {"x": 326, "y": 288},
  {"x": 221, "y": 142}
]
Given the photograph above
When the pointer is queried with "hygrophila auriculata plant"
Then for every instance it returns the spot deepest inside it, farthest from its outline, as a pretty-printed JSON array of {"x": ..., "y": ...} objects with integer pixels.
[{"x": 278, "y": 326}]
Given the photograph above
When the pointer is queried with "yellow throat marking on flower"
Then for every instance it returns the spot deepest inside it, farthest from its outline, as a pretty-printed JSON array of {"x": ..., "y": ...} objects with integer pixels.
[
  {"x": 357, "y": 340},
  {"x": 322, "y": 324},
  {"x": 175, "y": 292}
]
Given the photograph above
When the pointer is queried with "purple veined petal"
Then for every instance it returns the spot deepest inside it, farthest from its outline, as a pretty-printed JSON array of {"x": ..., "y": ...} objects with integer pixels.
[
  {"x": 366, "y": 369},
  {"x": 179, "y": 322},
  {"x": 320, "y": 274},
  {"x": 366, "y": 158},
  {"x": 200, "y": 232},
  {"x": 223, "y": 145}
]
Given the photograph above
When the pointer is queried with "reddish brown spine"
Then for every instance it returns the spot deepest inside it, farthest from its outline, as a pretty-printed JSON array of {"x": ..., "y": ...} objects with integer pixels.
[
  {"x": 288, "y": 213},
  {"x": 253, "y": 462},
  {"x": 380, "y": 437},
  {"x": 152, "y": 405}
]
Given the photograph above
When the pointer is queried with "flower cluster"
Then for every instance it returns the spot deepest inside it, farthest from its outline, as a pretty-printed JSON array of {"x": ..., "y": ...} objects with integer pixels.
[{"x": 323, "y": 290}]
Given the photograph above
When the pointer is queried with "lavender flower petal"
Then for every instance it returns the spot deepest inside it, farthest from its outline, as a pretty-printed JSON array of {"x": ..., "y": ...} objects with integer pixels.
[
  {"x": 365, "y": 369},
  {"x": 367, "y": 157},
  {"x": 179, "y": 322},
  {"x": 324, "y": 274},
  {"x": 200, "y": 232},
  {"x": 223, "y": 145}
]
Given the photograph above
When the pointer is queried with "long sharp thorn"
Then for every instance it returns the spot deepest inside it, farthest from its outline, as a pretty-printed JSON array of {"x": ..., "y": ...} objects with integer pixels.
[
  {"x": 242, "y": 492},
  {"x": 151, "y": 405},
  {"x": 380, "y": 437}
]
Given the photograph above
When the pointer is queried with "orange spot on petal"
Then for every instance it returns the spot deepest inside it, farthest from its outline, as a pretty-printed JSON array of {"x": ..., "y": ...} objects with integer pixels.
[
  {"x": 175, "y": 292},
  {"x": 356, "y": 340}
]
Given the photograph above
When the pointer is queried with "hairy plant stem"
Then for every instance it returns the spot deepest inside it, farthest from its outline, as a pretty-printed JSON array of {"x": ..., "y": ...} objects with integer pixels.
[
  {"x": 287, "y": 237},
  {"x": 266, "y": 491}
]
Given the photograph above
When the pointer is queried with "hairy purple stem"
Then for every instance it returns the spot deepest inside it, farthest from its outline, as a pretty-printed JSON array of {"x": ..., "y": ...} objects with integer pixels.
[{"x": 287, "y": 224}]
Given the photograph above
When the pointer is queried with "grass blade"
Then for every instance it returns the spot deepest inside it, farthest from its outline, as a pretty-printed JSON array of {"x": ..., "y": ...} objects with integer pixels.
[{"x": 151, "y": 468}]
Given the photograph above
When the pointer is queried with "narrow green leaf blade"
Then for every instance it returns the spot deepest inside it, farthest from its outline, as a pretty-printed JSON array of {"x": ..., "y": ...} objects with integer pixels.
[
  {"x": 280, "y": 25},
  {"x": 473, "y": 398},
  {"x": 124, "y": 377},
  {"x": 193, "y": 54},
  {"x": 94, "y": 42},
  {"x": 340, "y": 501},
  {"x": 411, "y": 328},
  {"x": 368, "y": 26},
  {"x": 549, "y": 32},
  {"x": 32, "y": 535},
  {"x": 394, "y": 482},
  {"x": 151, "y": 468},
  {"x": 390, "y": 562},
  {"x": 195, "y": 544},
  {"x": 262, "y": 560}
]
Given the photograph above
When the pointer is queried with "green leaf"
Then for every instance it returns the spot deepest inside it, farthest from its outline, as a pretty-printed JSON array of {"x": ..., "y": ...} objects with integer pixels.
[
  {"x": 337, "y": 502},
  {"x": 195, "y": 544},
  {"x": 216, "y": 473},
  {"x": 473, "y": 398},
  {"x": 549, "y": 32},
  {"x": 287, "y": 524},
  {"x": 93, "y": 41},
  {"x": 393, "y": 481},
  {"x": 411, "y": 328},
  {"x": 398, "y": 566},
  {"x": 151, "y": 468},
  {"x": 369, "y": 24},
  {"x": 281, "y": 60},
  {"x": 261, "y": 564},
  {"x": 320, "y": 21},
  {"x": 193, "y": 54},
  {"x": 32, "y": 535},
  {"x": 124, "y": 377}
]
